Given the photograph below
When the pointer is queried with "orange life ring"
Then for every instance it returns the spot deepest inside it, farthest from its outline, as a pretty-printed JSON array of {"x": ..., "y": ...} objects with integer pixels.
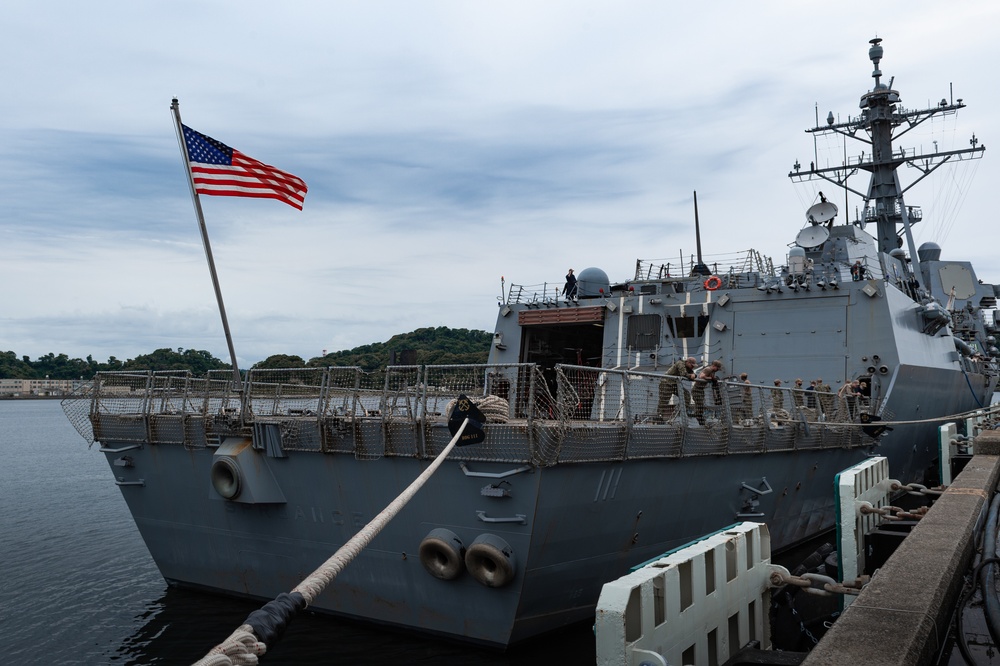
[{"x": 713, "y": 283}]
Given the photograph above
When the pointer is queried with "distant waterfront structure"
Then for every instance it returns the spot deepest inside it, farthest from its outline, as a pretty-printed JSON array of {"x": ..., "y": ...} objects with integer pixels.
[{"x": 13, "y": 388}]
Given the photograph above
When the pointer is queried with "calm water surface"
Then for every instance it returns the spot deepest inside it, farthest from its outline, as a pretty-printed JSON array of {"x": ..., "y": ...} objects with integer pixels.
[{"x": 77, "y": 585}]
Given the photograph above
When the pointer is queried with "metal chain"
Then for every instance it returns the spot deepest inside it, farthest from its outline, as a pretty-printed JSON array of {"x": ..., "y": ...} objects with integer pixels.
[
  {"x": 818, "y": 584},
  {"x": 802, "y": 626},
  {"x": 916, "y": 489},
  {"x": 892, "y": 512}
]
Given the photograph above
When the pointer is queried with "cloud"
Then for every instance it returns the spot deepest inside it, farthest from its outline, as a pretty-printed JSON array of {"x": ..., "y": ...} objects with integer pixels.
[{"x": 445, "y": 145}]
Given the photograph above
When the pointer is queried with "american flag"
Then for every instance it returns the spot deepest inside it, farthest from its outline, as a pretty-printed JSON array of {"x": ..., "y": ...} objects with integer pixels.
[{"x": 223, "y": 171}]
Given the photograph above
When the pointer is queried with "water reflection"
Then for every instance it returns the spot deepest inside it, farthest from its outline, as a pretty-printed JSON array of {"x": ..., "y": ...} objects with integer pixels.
[{"x": 182, "y": 625}]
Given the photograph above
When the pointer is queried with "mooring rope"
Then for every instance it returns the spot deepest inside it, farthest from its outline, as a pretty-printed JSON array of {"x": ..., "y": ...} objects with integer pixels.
[
  {"x": 249, "y": 641},
  {"x": 493, "y": 407},
  {"x": 987, "y": 411}
]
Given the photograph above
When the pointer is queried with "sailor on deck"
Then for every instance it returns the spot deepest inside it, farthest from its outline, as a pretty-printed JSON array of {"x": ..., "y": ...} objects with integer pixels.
[
  {"x": 826, "y": 399},
  {"x": 705, "y": 377},
  {"x": 746, "y": 408},
  {"x": 777, "y": 396},
  {"x": 569, "y": 291},
  {"x": 670, "y": 385}
]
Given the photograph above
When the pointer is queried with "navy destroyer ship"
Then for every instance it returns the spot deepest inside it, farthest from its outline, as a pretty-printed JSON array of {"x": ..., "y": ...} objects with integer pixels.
[{"x": 595, "y": 457}]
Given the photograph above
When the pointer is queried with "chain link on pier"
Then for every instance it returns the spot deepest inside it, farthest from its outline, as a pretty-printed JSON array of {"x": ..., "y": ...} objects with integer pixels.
[{"x": 818, "y": 584}]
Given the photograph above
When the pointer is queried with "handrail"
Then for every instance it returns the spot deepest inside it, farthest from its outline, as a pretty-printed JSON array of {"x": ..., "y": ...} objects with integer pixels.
[{"x": 575, "y": 413}]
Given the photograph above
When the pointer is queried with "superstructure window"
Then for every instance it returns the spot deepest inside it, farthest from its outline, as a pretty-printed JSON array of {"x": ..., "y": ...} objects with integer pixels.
[
  {"x": 681, "y": 327},
  {"x": 702, "y": 324},
  {"x": 684, "y": 327},
  {"x": 644, "y": 331}
]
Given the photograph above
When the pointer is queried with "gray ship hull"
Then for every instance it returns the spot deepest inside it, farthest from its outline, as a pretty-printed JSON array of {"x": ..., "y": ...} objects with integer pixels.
[
  {"x": 580, "y": 488},
  {"x": 578, "y": 500},
  {"x": 585, "y": 523}
]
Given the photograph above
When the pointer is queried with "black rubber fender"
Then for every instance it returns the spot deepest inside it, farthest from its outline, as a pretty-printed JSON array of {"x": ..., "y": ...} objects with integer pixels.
[
  {"x": 490, "y": 560},
  {"x": 442, "y": 553}
]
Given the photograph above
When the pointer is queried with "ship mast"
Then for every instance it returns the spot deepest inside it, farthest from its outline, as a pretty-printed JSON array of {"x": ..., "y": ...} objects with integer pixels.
[
  {"x": 700, "y": 268},
  {"x": 881, "y": 116}
]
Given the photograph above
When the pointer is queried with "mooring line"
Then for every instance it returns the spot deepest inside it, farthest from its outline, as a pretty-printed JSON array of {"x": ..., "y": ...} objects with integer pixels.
[
  {"x": 993, "y": 410},
  {"x": 265, "y": 626}
]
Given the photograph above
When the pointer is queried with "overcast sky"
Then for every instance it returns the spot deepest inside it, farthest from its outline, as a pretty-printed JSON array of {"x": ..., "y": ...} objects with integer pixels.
[{"x": 445, "y": 144}]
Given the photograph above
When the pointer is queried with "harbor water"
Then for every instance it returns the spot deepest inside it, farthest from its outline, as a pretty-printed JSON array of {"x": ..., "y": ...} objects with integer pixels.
[{"x": 77, "y": 585}]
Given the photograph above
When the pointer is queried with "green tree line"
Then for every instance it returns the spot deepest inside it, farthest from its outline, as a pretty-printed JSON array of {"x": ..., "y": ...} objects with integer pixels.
[{"x": 424, "y": 346}]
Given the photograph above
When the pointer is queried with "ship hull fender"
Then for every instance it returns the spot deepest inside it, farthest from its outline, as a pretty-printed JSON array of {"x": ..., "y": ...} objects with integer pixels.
[
  {"x": 442, "y": 554},
  {"x": 490, "y": 560}
]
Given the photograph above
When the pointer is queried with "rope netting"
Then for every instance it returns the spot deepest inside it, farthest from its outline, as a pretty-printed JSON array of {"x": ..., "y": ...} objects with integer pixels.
[{"x": 542, "y": 416}]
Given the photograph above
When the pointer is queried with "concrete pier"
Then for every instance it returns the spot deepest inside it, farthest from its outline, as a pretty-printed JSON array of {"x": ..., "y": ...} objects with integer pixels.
[{"x": 902, "y": 616}]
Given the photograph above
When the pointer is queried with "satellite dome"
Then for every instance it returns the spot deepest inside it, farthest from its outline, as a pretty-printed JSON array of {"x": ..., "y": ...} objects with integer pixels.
[
  {"x": 591, "y": 281},
  {"x": 929, "y": 252}
]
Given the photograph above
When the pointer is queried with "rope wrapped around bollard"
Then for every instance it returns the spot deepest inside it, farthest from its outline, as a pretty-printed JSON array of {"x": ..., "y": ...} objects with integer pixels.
[{"x": 265, "y": 626}]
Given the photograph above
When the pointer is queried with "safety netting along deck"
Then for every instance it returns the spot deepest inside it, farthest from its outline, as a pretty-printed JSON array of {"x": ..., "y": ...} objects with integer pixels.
[{"x": 541, "y": 416}]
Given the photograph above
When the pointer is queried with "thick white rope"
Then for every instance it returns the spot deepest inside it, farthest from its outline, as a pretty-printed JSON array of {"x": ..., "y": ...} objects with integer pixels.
[
  {"x": 242, "y": 647},
  {"x": 319, "y": 579},
  {"x": 493, "y": 407},
  {"x": 991, "y": 410}
]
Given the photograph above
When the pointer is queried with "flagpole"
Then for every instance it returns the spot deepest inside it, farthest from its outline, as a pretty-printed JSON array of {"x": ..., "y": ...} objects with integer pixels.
[{"x": 175, "y": 107}]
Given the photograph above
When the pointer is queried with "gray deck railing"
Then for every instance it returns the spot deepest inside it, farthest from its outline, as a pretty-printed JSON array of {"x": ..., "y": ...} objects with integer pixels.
[
  {"x": 735, "y": 265},
  {"x": 543, "y": 416}
]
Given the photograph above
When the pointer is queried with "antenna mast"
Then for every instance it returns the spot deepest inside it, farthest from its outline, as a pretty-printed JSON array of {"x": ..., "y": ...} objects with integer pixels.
[{"x": 700, "y": 268}]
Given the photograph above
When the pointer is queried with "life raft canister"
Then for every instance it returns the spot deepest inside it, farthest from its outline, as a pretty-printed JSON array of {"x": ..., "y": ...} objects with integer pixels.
[
  {"x": 713, "y": 283},
  {"x": 490, "y": 560},
  {"x": 441, "y": 553}
]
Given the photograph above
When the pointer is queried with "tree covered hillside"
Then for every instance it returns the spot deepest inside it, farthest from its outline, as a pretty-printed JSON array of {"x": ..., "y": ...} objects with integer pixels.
[
  {"x": 61, "y": 366},
  {"x": 424, "y": 346}
]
